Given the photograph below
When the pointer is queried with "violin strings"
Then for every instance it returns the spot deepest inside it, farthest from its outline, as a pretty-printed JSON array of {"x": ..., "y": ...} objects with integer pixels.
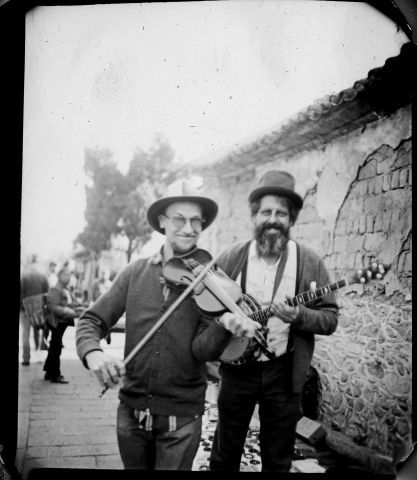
[
  {"x": 230, "y": 304},
  {"x": 227, "y": 302}
]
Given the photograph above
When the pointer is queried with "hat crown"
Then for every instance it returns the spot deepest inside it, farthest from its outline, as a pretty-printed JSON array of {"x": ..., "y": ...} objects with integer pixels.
[
  {"x": 277, "y": 182},
  {"x": 185, "y": 187},
  {"x": 277, "y": 178}
]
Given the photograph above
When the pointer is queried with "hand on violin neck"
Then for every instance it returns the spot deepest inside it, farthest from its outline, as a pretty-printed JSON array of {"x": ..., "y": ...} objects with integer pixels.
[{"x": 239, "y": 325}]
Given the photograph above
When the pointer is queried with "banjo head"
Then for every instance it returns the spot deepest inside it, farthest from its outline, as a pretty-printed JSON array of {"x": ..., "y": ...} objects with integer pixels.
[{"x": 242, "y": 349}]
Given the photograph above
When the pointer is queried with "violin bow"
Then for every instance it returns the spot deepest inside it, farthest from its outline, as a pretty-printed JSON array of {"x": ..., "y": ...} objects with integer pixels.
[{"x": 166, "y": 315}]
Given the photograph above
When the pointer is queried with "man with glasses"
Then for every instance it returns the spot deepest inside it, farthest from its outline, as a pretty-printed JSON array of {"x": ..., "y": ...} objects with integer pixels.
[{"x": 163, "y": 392}]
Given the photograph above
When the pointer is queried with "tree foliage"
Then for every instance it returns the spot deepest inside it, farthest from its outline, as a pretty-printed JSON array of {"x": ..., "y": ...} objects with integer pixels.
[{"x": 117, "y": 203}]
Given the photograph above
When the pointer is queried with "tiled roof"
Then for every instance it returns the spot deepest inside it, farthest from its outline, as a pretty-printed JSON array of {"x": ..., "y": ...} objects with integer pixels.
[{"x": 385, "y": 89}]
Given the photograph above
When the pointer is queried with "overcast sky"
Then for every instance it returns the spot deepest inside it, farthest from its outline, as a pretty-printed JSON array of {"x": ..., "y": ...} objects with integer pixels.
[{"x": 207, "y": 75}]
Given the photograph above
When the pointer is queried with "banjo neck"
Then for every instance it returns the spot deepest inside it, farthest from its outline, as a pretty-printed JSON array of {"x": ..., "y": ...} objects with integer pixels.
[{"x": 262, "y": 316}]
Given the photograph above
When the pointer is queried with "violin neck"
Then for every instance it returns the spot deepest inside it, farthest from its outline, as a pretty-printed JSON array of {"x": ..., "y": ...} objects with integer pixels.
[
  {"x": 262, "y": 316},
  {"x": 210, "y": 281}
]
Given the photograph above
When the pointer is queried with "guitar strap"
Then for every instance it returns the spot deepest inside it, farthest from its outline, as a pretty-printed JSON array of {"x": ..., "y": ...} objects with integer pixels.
[
  {"x": 243, "y": 275},
  {"x": 280, "y": 270}
]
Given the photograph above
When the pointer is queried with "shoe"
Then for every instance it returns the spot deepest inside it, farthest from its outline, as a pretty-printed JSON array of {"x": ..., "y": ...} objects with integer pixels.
[
  {"x": 25, "y": 363},
  {"x": 59, "y": 379}
]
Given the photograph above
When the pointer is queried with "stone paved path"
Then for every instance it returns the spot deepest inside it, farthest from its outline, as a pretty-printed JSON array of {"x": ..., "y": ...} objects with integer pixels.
[{"x": 69, "y": 426}]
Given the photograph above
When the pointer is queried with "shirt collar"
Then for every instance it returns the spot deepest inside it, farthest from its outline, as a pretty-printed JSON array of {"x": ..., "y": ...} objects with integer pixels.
[{"x": 157, "y": 258}]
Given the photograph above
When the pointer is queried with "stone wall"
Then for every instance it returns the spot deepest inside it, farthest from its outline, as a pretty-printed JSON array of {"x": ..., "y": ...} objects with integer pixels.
[{"x": 357, "y": 208}]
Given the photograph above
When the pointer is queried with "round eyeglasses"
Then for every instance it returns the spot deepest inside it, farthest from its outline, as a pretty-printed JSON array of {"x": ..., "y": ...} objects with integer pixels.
[{"x": 179, "y": 222}]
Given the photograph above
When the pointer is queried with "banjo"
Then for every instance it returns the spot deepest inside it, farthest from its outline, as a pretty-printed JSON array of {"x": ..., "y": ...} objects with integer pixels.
[{"x": 242, "y": 350}]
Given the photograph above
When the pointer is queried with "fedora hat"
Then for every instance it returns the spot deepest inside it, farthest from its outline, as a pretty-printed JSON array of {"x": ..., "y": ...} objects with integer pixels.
[
  {"x": 181, "y": 191},
  {"x": 276, "y": 182}
]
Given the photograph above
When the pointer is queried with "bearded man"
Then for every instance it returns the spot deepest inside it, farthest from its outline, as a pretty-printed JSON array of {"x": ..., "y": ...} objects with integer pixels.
[{"x": 271, "y": 267}]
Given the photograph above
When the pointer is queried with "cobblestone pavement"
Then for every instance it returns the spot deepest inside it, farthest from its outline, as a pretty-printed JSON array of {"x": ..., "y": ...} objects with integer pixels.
[{"x": 69, "y": 426}]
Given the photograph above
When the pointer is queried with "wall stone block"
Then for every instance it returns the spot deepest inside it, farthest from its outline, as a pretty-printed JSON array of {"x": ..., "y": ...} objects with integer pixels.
[
  {"x": 355, "y": 243},
  {"x": 407, "y": 262},
  {"x": 348, "y": 225},
  {"x": 359, "y": 260},
  {"x": 404, "y": 155},
  {"x": 373, "y": 241},
  {"x": 351, "y": 262},
  {"x": 370, "y": 220},
  {"x": 386, "y": 182},
  {"x": 403, "y": 177},
  {"x": 362, "y": 224},
  {"x": 384, "y": 165},
  {"x": 386, "y": 221},
  {"x": 378, "y": 183},
  {"x": 368, "y": 170},
  {"x": 340, "y": 243},
  {"x": 371, "y": 186},
  {"x": 378, "y": 223},
  {"x": 362, "y": 188},
  {"x": 356, "y": 207},
  {"x": 341, "y": 227},
  {"x": 395, "y": 179},
  {"x": 373, "y": 204}
]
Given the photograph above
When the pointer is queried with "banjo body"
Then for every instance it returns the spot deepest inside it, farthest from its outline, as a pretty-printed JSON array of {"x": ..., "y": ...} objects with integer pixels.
[{"x": 242, "y": 350}]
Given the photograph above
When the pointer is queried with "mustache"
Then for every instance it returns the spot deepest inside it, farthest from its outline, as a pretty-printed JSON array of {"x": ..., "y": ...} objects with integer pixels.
[{"x": 270, "y": 226}]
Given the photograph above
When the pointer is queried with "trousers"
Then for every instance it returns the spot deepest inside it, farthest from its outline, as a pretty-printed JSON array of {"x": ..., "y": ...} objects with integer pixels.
[
  {"x": 155, "y": 450},
  {"x": 26, "y": 327},
  {"x": 53, "y": 361},
  {"x": 241, "y": 387}
]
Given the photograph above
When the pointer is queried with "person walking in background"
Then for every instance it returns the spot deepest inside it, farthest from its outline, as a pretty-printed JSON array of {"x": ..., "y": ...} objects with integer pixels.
[
  {"x": 52, "y": 276},
  {"x": 32, "y": 282},
  {"x": 102, "y": 284},
  {"x": 271, "y": 267},
  {"x": 52, "y": 281},
  {"x": 159, "y": 416},
  {"x": 64, "y": 311}
]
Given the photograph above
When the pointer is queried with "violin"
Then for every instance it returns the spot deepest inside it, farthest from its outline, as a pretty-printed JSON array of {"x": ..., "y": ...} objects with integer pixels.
[{"x": 214, "y": 295}]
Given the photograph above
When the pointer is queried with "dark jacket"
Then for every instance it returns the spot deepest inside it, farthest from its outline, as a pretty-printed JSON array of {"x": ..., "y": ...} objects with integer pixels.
[
  {"x": 319, "y": 317},
  {"x": 32, "y": 282},
  {"x": 169, "y": 374},
  {"x": 63, "y": 310}
]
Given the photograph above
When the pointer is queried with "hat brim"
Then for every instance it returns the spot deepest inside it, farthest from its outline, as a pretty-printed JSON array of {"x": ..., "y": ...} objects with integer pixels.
[
  {"x": 274, "y": 190},
  {"x": 209, "y": 207}
]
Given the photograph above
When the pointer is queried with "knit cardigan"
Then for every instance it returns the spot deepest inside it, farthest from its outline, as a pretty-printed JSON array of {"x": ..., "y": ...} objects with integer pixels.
[
  {"x": 319, "y": 317},
  {"x": 169, "y": 374}
]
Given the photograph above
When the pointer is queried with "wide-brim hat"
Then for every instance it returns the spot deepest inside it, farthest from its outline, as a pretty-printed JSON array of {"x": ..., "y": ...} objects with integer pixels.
[
  {"x": 186, "y": 194},
  {"x": 276, "y": 182}
]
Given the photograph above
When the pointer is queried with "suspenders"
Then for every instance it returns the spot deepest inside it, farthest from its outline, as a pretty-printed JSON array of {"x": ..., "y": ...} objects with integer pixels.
[{"x": 278, "y": 276}]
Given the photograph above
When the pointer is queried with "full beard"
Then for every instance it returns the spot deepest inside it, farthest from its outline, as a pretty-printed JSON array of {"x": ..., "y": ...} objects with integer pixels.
[{"x": 271, "y": 243}]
